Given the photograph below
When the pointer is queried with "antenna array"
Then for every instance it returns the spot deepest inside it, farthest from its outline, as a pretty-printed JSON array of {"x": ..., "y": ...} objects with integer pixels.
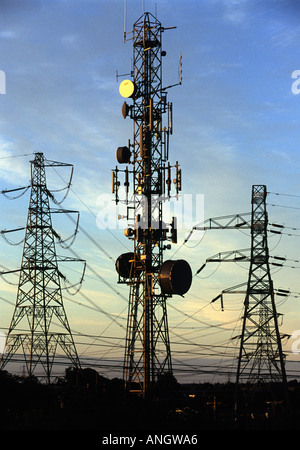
[{"x": 151, "y": 279}]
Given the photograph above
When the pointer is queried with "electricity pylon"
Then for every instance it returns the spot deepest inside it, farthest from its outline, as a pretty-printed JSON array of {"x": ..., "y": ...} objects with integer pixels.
[
  {"x": 152, "y": 281},
  {"x": 261, "y": 360},
  {"x": 39, "y": 325}
]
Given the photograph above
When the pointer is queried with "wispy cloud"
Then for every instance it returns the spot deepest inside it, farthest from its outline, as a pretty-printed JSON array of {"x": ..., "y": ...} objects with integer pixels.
[
  {"x": 235, "y": 11},
  {"x": 13, "y": 168},
  {"x": 8, "y": 34}
]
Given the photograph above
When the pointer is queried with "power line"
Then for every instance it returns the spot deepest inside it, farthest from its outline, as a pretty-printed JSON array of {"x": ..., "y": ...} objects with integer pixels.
[
  {"x": 16, "y": 156},
  {"x": 84, "y": 231},
  {"x": 285, "y": 195}
]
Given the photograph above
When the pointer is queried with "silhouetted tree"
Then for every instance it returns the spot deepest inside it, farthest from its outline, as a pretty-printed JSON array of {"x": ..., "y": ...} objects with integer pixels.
[
  {"x": 166, "y": 384},
  {"x": 87, "y": 378}
]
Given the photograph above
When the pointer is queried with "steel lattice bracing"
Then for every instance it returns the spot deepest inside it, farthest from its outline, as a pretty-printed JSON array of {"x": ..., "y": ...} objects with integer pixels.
[
  {"x": 261, "y": 359},
  {"x": 147, "y": 347},
  {"x": 39, "y": 327}
]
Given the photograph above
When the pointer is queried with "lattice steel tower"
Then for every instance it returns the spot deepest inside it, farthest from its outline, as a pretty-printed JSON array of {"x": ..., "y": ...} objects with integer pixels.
[
  {"x": 39, "y": 325},
  {"x": 261, "y": 359},
  {"x": 151, "y": 280}
]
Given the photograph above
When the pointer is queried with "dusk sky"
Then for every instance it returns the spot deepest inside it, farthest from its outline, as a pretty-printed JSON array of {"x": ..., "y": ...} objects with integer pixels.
[{"x": 236, "y": 124}]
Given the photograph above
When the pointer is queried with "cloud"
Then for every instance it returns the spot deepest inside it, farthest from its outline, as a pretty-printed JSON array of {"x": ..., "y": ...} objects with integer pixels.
[
  {"x": 9, "y": 34},
  {"x": 235, "y": 11},
  {"x": 69, "y": 40},
  {"x": 13, "y": 168},
  {"x": 282, "y": 35}
]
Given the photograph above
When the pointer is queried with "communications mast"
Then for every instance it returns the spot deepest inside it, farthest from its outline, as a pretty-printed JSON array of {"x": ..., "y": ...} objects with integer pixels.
[{"x": 151, "y": 280}]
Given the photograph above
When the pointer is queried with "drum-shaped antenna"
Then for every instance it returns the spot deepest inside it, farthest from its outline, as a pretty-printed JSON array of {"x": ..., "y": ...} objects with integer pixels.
[
  {"x": 124, "y": 264},
  {"x": 125, "y": 110},
  {"x": 175, "y": 277},
  {"x": 123, "y": 155}
]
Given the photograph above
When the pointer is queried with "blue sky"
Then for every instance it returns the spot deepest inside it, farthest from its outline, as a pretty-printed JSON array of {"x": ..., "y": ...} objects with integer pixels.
[{"x": 236, "y": 123}]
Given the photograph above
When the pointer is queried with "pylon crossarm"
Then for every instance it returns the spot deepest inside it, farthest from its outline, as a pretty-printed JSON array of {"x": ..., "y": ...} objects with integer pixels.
[
  {"x": 231, "y": 256},
  {"x": 229, "y": 222},
  {"x": 235, "y": 289},
  {"x": 12, "y": 231},
  {"x": 49, "y": 163},
  {"x": 9, "y": 271},
  {"x": 23, "y": 189},
  {"x": 232, "y": 221}
]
